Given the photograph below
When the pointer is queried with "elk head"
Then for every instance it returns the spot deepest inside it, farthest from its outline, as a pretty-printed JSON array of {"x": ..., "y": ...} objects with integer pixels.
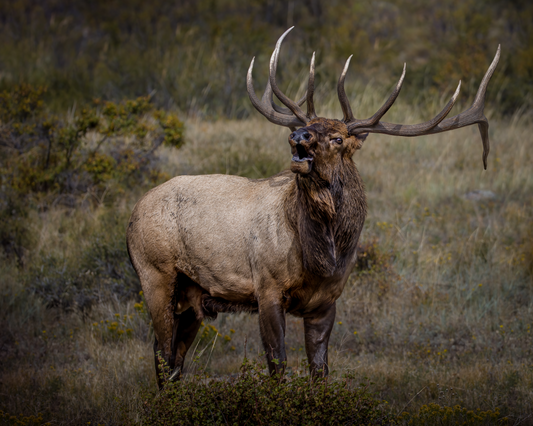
[{"x": 319, "y": 144}]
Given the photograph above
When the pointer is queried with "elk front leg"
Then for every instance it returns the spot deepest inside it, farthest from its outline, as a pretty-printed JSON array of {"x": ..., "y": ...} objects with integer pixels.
[
  {"x": 272, "y": 329},
  {"x": 317, "y": 331}
]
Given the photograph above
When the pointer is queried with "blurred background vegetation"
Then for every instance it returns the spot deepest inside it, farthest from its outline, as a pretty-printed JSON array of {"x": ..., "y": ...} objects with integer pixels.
[{"x": 194, "y": 53}]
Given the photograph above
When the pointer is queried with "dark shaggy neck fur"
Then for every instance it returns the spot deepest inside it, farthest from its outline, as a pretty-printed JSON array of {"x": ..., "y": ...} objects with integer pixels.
[{"x": 327, "y": 213}]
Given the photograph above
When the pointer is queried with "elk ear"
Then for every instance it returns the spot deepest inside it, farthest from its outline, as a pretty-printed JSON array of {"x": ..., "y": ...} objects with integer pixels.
[{"x": 360, "y": 139}]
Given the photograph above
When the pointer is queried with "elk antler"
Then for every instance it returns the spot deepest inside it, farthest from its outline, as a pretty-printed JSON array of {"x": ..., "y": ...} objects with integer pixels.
[
  {"x": 438, "y": 124},
  {"x": 292, "y": 116}
]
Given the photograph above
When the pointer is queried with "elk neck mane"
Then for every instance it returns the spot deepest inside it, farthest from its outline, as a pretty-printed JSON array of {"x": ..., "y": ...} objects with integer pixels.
[{"x": 327, "y": 211}]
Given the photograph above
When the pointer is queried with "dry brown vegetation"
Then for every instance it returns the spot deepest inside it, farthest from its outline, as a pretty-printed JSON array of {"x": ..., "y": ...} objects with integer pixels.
[{"x": 439, "y": 309}]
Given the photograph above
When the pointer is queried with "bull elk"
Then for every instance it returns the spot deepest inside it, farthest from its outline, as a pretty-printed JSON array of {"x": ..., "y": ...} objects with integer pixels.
[{"x": 284, "y": 244}]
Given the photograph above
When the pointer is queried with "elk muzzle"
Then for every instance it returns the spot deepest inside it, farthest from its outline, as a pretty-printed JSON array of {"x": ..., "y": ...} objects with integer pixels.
[{"x": 301, "y": 142}]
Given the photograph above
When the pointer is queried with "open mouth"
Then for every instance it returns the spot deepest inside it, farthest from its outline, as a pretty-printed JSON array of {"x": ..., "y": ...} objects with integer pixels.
[{"x": 301, "y": 154}]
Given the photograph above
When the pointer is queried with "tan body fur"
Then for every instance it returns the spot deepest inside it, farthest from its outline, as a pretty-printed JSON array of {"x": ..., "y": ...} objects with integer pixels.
[
  {"x": 230, "y": 235},
  {"x": 243, "y": 243}
]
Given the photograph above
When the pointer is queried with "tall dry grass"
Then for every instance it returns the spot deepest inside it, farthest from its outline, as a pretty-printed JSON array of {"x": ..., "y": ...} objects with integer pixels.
[{"x": 443, "y": 315}]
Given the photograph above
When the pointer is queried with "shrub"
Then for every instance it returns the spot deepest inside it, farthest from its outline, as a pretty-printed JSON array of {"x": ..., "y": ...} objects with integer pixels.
[
  {"x": 254, "y": 397},
  {"x": 43, "y": 154},
  {"x": 97, "y": 151},
  {"x": 122, "y": 326},
  {"x": 102, "y": 270},
  {"x": 435, "y": 414},
  {"x": 21, "y": 420},
  {"x": 371, "y": 259}
]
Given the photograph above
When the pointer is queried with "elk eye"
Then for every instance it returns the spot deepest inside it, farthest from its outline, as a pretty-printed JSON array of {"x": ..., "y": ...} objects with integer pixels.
[{"x": 337, "y": 140}]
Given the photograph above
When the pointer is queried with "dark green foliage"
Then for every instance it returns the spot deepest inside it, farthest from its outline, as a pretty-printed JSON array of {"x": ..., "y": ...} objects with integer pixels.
[
  {"x": 92, "y": 153},
  {"x": 435, "y": 414},
  {"x": 14, "y": 232},
  {"x": 253, "y": 397},
  {"x": 372, "y": 259},
  {"x": 108, "y": 261},
  {"x": 195, "y": 54},
  {"x": 20, "y": 420},
  {"x": 43, "y": 154},
  {"x": 102, "y": 271}
]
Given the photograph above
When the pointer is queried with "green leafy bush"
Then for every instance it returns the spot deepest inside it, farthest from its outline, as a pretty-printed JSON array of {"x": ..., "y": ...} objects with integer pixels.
[
  {"x": 254, "y": 397},
  {"x": 371, "y": 259},
  {"x": 42, "y": 154},
  {"x": 433, "y": 414},
  {"x": 21, "y": 420},
  {"x": 82, "y": 157}
]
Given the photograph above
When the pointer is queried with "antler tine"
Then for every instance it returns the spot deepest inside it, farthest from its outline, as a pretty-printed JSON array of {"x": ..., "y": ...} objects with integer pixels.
[
  {"x": 267, "y": 97},
  {"x": 279, "y": 94},
  {"x": 311, "y": 90},
  {"x": 300, "y": 102},
  {"x": 415, "y": 129},
  {"x": 473, "y": 115},
  {"x": 385, "y": 107},
  {"x": 265, "y": 106},
  {"x": 480, "y": 95},
  {"x": 269, "y": 93},
  {"x": 343, "y": 99}
]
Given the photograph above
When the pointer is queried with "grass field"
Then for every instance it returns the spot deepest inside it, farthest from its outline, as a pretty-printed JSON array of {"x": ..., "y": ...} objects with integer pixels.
[{"x": 440, "y": 313}]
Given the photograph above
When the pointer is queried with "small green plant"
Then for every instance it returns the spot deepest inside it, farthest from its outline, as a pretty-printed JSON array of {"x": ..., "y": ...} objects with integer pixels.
[
  {"x": 21, "y": 420},
  {"x": 123, "y": 326},
  {"x": 371, "y": 259},
  {"x": 253, "y": 396},
  {"x": 373, "y": 266},
  {"x": 433, "y": 414},
  {"x": 141, "y": 308},
  {"x": 116, "y": 328},
  {"x": 209, "y": 332}
]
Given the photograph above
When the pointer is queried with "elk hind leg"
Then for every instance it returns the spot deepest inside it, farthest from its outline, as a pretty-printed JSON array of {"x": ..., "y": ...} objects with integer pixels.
[
  {"x": 158, "y": 290},
  {"x": 188, "y": 316},
  {"x": 186, "y": 327}
]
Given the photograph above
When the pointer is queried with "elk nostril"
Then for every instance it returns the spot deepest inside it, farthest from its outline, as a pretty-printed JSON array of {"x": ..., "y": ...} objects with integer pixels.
[{"x": 291, "y": 136}]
